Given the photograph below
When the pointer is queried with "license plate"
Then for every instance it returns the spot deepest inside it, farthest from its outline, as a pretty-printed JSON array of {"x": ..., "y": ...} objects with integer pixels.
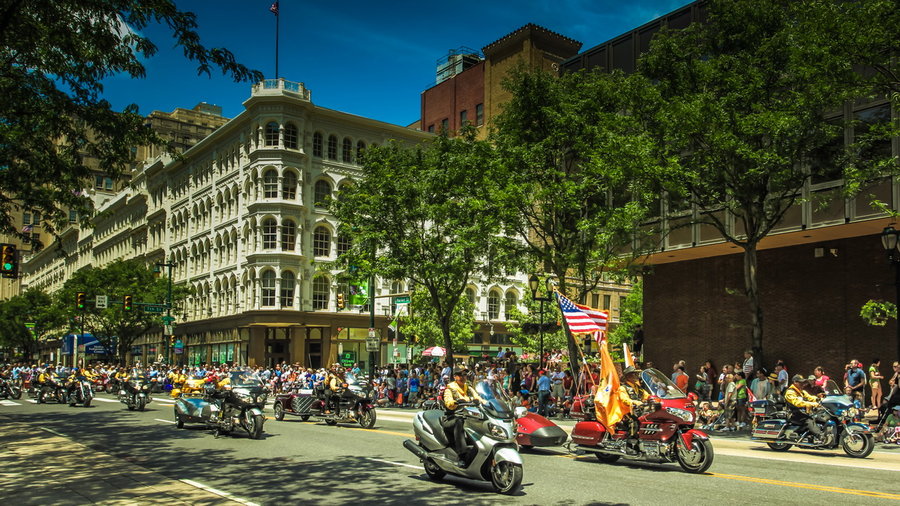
[{"x": 759, "y": 411}]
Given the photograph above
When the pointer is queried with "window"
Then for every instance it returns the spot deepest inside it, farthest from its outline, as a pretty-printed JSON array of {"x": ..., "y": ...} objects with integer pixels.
[
  {"x": 870, "y": 130},
  {"x": 343, "y": 244},
  {"x": 347, "y": 150},
  {"x": 463, "y": 118},
  {"x": 36, "y": 219},
  {"x": 103, "y": 183},
  {"x": 823, "y": 161},
  {"x": 493, "y": 305},
  {"x": 73, "y": 216},
  {"x": 479, "y": 114},
  {"x": 270, "y": 184},
  {"x": 321, "y": 287},
  {"x": 445, "y": 125},
  {"x": 268, "y": 288},
  {"x": 470, "y": 294},
  {"x": 26, "y": 218},
  {"x": 509, "y": 304},
  {"x": 431, "y": 129},
  {"x": 287, "y": 289},
  {"x": 322, "y": 193},
  {"x": 595, "y": 300},
  {"x": 289, "y": 186},
  {"x": 271, "y": 136},
  {"x": 607, "y": 299},
  {"x": 288, "y": 235},
  {"x": 332, "y": 147},
  {"x": 290, "y": 136},
  {"x": 360, "y": 148},
  {"x": 270, "y": 234},
  {"x": 321, "y": 242},
  {"x": 317, "y": 144}
]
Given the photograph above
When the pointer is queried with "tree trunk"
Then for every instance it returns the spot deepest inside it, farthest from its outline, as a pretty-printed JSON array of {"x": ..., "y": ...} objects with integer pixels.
[
  {"x": 448, "y": 340},
  {"x": 574, "y": 353},
  {"x": 756, "y": 313}
]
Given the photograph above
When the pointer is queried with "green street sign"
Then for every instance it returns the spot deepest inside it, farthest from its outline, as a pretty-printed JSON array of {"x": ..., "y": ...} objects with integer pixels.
[
  {"x": 153, "y": 308},
  {"x": 168, "y": 319},
  {"x": 403, "y": 299}
]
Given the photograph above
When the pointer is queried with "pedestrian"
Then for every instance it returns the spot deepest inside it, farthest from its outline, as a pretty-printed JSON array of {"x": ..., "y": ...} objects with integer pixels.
[
  {"x": 544, "y": 384},
  {"x": 856, "y": 380},
  {"x": 702, "y": 385},
  {"x": 760, "y": 386},
  {"x": 783, "y": 378},
  {"x": 875, "y": 378},
  {"x": 681, "y": 378},
  {"x": 638, "y": 340},
  {"x": 821, "y": 378},
  {"x": 748, "y": 364},
  {"x": 740, "y": 399}
]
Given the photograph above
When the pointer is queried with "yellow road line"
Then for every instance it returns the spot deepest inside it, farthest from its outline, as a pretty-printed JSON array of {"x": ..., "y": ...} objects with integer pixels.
[
  {"x": 381, "y": 431},
  {"x": 821, "y": 488}
]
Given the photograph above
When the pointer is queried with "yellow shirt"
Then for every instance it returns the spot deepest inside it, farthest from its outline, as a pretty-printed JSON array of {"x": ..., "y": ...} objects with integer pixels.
[
  {"x": 799, "y": 398},
  {"x": 456, "y": 393}
]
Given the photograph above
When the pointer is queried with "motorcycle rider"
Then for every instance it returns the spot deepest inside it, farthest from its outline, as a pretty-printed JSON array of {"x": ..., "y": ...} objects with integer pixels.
[
  {"x": 458, "y": 391},
  {"x": 632, "y": 395},
  {"x": 46, "y": 380},
  {"x": 801, "y": 403},
  {"x": 76, "y": 375},
  {"x": 334, "y": 383}
]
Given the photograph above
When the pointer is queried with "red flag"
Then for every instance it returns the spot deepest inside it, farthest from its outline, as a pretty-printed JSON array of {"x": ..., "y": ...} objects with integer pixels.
[{"x": 274, "y": 8}]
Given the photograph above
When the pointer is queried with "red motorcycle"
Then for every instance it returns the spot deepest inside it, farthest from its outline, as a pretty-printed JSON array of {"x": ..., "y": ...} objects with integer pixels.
[
  {"x": 533, "y": 430},
  {"x": 666, "y": 432}
]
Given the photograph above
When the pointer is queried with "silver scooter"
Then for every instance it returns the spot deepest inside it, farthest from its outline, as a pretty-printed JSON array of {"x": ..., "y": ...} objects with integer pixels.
[{"x": 489, "y": 425}]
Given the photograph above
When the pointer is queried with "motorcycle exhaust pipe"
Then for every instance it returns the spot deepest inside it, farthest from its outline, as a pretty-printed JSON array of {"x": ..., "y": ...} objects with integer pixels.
[{"x": 417, "y": 450}]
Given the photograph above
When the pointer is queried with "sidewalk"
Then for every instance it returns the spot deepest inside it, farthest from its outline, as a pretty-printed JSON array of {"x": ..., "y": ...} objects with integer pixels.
[{"x": 38, "y": 467}]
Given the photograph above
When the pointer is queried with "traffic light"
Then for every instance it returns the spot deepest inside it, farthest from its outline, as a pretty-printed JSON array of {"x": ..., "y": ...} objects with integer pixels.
[
  {"x": 340, "y": 301},
  {"x": 171, "y": 340},
  {"x": 126, "y": 303},
  {"x": 9, "y": 262},
  {"x": 80, "y": 300}
]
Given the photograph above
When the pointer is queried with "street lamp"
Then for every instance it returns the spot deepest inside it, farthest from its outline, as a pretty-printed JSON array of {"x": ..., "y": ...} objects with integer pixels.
[
  {"x": 168, "y": 319},
  {"x": 534, "y": 283},
  {"x": 890, "y": 239}
]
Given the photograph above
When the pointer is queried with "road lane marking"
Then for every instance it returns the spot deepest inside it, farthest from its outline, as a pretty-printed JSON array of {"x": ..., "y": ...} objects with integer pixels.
[
  {"x": 101, "y": 399},
  {"x": 5, "y": 402},
  {"x": 161, "y": 420},
  {"x": 420, "y": 468},
  {"x": 53, "y": 431},
  {"x": 821, "y": 488},
  {"x": 382, "y": 431},
  {"x": 218, "y": 492},
  {"x": 33, "y": 401}
]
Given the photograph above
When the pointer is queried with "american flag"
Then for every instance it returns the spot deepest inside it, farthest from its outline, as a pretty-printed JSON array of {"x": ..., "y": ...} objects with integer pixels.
[
  {"x": 582, "y": 319},
  {"x": 274, "y": 8}
]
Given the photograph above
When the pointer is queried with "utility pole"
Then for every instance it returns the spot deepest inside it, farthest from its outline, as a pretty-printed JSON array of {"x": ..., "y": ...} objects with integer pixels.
[{"x": 168, "y": 318}]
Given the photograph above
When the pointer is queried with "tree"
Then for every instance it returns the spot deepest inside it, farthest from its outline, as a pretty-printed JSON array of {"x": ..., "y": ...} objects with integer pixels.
[
  {"x": 531, "y": 341},
  {"x": 426, "y": 211},
  {"x": 631, "y": 316},
  {"x": 739, "y": 115},
  {"x": 566, "y": 185},
  {"x": 114, "y": 327},
  {"x": 55, "y": 127},
  {"x": 32, "y": 307},
  {"x": 423, "y": 322}
]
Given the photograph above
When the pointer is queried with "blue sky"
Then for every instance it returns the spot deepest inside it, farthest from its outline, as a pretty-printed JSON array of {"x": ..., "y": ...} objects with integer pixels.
[{"x": 372, "y": 59}]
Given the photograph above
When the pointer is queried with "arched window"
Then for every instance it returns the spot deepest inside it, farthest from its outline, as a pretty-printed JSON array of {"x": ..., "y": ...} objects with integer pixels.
[
  {"x": 269, "y": 233},
  {"x": 470, "y": 294},
  {"x": 360, "y": 147},
  {"x": 321, "y": 289},
  {"x": 321, "y": 242},
  {"x": 270, "y": 184},
  {"x": 271, "y": 134},
  {"x": 290, "y": 136},
  {"x": 288, "y": 235},
  {"x": 322, "y": 193},
  {"x": 332, "y": 147},
  {"x": 509, "y": 304},
  {"x": 289, "y": 186},
  {"x": 347, "y": 150},
  {"x": 288, "y": 281},
  {"x": 493, "y": 305},
  {"x": 343, "y": 244},
  {"x": 268, "y": 288},
  {"x": 317, "y": 144}
]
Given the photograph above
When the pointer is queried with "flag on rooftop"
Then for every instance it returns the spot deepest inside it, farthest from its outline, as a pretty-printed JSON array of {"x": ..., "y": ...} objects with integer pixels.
[{"x": 274, "y": 8}]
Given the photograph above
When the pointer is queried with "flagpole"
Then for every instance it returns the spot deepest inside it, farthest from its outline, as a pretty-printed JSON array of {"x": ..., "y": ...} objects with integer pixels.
[
  {"x": 277, "y": 15},
  {"x": 572, "y": 337}
]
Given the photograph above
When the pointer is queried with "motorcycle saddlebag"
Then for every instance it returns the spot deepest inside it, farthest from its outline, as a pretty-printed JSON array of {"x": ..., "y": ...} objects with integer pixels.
[
  {"x": 588, "y": 433},
  {"x": 769, "y": 429}
]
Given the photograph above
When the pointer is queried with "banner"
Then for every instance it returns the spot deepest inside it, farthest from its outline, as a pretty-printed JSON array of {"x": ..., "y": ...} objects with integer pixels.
[{"x": 359, "y": 293}]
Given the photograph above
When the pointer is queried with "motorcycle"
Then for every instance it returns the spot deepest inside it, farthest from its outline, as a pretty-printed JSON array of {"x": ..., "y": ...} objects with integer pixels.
[
  {"x": 666, "y": 430},
  {"x": 835, "y": 416},
  {"x": 239, "y": 404},
  {"x": 488, "y": 427},
  {"x": 53, "y": 389},
  {"x": 533, "y": 430},
  {"x": 355, "y": 405},
  {"x": 9, "y": 389},
  {"x": 80, "y": 391},
  {"x": 135, "y": 393}
]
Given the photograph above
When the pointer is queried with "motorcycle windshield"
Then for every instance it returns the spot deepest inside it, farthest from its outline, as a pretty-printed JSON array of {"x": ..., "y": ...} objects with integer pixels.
[
  {"x": 494, "y": 400},
  {"x": 241, "y": 379},
  {"x": 831, "y": 388},
  {"x": 660, "y": 385}
]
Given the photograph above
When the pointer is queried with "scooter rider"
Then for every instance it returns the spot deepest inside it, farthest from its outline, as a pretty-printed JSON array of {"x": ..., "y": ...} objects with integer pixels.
[
  {"x": 458, "y": 391},
  {"x": 801, "y": 403}
]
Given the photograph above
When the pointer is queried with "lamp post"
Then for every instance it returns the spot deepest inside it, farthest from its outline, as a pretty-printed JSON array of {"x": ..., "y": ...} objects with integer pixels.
[
  {"x": 169, "y": 319},
  {"x": 534, "y": 284},
  {"x": 890, "y": 239}
]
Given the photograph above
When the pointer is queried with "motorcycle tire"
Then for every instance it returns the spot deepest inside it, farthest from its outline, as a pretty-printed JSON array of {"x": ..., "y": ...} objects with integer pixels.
[
  {"x": 16, "y": 393},
  {"x": 278, "y": 410},
  {"x": 254, "y": 425},
  {"x": 506, "y": 477},
  {"x": 331, "y": 422},
  {"x": 131, "y": 407},
  {"x": 87, "y": 400},
  {"x": 367, "y": 419},
  {"x": 141, "y": 405},
  {"x": 606, "y": 458},
  {"x": 698, "y": 458},
  {"x": 179, "y": 423},
  {"x": 432, "y": 470},
  {"x": 779, "y": 447},
  {"x": 857, "y": 445},
  {"x": 72, "y": 401},
  {"x": 305, "y": 418}
]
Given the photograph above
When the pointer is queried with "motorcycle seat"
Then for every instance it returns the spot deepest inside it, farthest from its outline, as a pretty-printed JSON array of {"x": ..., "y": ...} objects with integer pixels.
[{"x": 435, "y": 420}]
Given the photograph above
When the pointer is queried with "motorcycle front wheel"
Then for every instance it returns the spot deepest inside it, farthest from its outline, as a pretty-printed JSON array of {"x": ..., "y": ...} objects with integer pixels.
[
  {"x": 87, "y": 400},
  {"x": 506, "y": 477},
  {"x": 141, "y": 403},
  {"x": 857, "y": 445},
  {"x": 698, "y": 458},
  {"x": 16, "y": 392},
  {"x": 254, "y": 425},
  {"x": 779, "y": 447},
  {"x": 367, "y": 418}
]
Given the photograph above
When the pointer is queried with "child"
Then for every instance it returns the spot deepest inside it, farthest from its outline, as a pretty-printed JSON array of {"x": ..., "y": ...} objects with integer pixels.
[
  {"x": 891, "y": 430},
  {"x": 707, "y": 415}
]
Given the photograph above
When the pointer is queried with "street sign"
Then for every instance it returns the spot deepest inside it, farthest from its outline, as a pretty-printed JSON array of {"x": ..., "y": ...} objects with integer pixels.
[
  {"x": 403, "y": 299},
  {"x": 101, "y": 301},
  {"x": 154, "y": 308},
  {"x": 168, "y": 320},
  {"x": 167, "y": 329},
  {"x": 373, "y": 342}
]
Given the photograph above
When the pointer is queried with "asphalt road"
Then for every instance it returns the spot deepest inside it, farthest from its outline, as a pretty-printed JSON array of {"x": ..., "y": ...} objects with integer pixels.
[{"x": 312, "y": 463}]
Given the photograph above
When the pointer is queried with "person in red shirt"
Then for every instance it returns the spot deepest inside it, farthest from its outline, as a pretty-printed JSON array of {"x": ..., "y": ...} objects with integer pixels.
[{"x": 681, "y": 378}]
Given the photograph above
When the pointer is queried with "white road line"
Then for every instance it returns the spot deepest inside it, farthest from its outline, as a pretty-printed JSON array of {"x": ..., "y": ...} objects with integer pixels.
[
  {"x": 5, "y": 402},
  {"x": 51, "y": 431},
  {"x": 101, "y": 399},
  {"x": 218, "y": 492},
  {"x": 396, "y": 463},
  {"x": 161, "y": 420},
  {"x": 33, "y": 401}
]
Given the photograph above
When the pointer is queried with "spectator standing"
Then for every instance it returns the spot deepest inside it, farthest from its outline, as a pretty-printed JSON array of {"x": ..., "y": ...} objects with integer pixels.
[
  {"x": 821, "y": 379},
  {"x": 875, "y": 378},
  {"x": 544, "y": 383},
  {"x": 856, "y": 380},
  {"x": 638, "y": 340},
  {"x": 781, "y": 370},
  {"x": 748, "y": 365},
  {"x": 681, "y": 378},
  {"x": 760, "y": 386},
  {"x": 702, "y": 385},
  {"x": 740, "y": 399}
]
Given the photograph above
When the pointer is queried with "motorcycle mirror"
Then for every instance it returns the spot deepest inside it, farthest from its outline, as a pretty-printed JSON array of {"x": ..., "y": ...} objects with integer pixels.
[{"x": 521, "y": 411}]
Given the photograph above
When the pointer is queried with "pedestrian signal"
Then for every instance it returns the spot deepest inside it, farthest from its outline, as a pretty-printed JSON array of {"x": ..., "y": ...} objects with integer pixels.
[
  {"x": 127, "y": 303},
  {"x": 80, "y": 300},
  {"x": 9, "y": 262}
]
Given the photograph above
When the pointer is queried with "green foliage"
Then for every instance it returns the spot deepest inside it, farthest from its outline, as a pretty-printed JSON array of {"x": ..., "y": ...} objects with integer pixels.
[
  {"x": 32, "y": 306},
  {"x": 423, "y": 323},
  {"x": 531, "y": 343},
  {"x": 631, "y": 314},
  {"x": 878, "y": 312},
  {"x": 55, "y": 128}
]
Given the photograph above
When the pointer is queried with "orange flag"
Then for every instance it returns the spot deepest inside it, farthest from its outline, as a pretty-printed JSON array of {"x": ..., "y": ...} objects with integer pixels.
[
  {"x": 610, "y": 409},
  {"x": 629, "y": 358}
]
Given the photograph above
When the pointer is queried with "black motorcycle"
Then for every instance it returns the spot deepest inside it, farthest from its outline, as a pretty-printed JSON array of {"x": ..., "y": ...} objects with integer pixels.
[
  {"x": 135, "y": 393},
  {"x": 80, "y": 391},
  {"x": 835, "y": 416},
  {"x": 352, "y": 405},
  {"x": 53, "y": 389},
  {"x": 239, "y": 404},
  {"x": 9, "y": 389}
]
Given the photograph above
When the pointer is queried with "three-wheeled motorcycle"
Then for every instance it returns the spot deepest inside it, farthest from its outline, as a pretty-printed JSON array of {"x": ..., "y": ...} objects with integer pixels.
[
  {"x": 352, "y": 405},
  {"x": 237, "y": 403}
]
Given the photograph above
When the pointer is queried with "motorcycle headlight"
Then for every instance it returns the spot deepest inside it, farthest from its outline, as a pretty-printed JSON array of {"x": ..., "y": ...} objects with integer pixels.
[
  {"x": 145, "y": 387},
  {"x": 497, "y": 431},
  {"x": 243, "y": 395},
  {"x": 261, "y": 399},
  {"x": 684, "y": 414}
]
